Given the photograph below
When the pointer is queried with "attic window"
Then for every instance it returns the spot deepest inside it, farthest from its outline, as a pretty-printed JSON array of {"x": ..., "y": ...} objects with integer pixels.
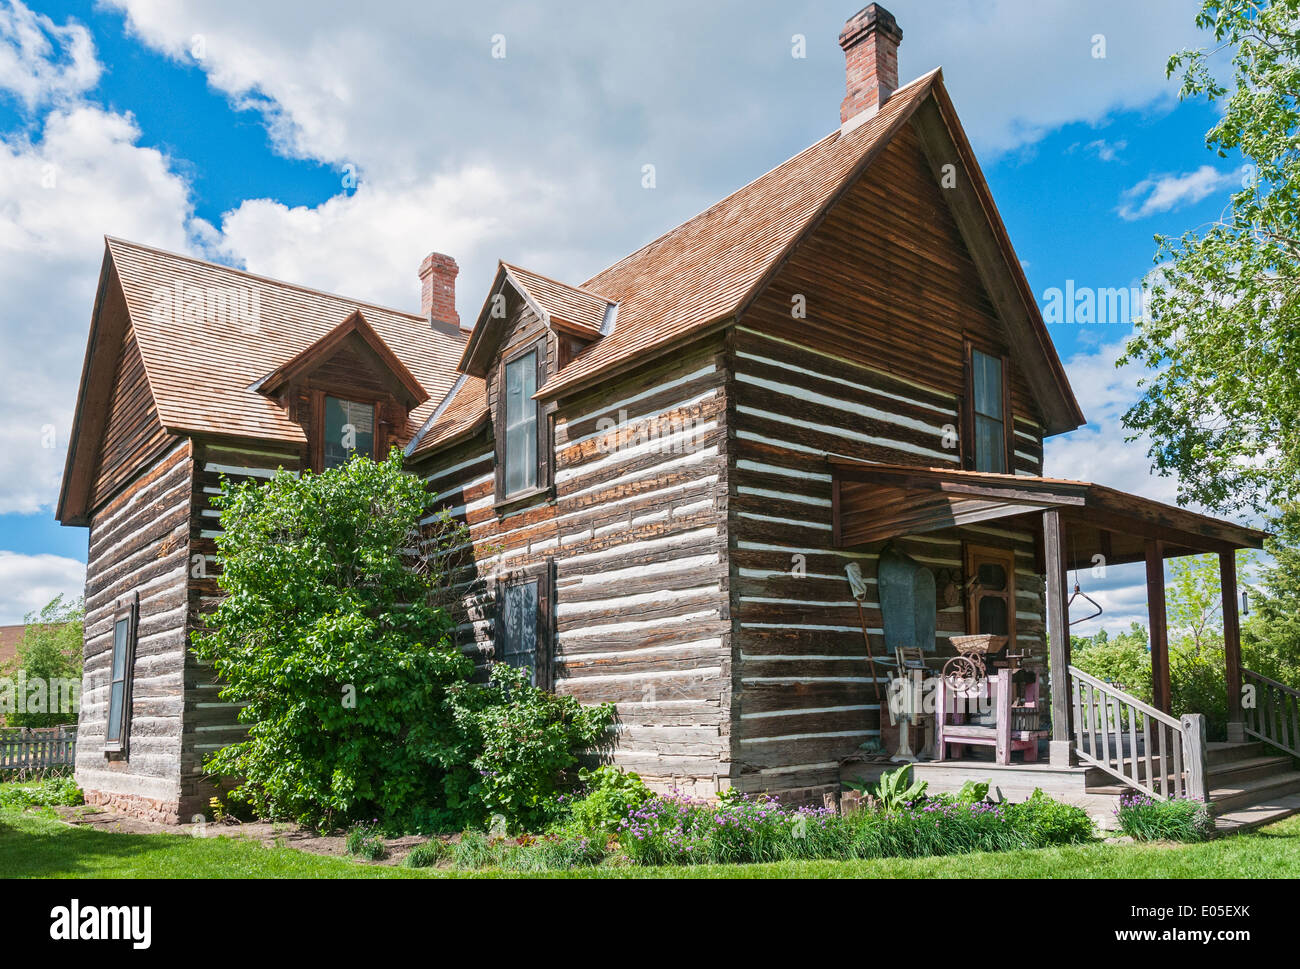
[{"x": 348, "y": 429}]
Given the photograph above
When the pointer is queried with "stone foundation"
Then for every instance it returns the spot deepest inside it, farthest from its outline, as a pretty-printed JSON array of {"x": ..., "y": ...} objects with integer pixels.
[{"x": 145, "y": 808}]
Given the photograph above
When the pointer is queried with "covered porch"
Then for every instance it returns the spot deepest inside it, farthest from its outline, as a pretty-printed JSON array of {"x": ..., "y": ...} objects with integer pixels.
[{"x": 1076, "y": 526}]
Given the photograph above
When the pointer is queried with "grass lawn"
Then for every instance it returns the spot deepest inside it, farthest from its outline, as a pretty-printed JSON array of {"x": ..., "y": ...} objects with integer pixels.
[{"x": 34, "y": 844}]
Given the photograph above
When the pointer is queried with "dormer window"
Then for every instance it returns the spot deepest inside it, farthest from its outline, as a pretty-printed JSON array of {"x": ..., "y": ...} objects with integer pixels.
[
  {"x": 519, "y": 383},
  {"x": 348, "y": 429}
]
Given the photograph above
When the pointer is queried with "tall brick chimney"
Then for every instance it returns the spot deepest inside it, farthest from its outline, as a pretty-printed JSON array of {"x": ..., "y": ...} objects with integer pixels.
[
  {"x": 438, "y": 291},
  {"x": 870, "y": 40}
]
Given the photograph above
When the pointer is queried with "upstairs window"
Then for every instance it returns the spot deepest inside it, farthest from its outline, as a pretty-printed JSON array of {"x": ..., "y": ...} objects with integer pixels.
[
  {"x": 987, "y": 403},
  {"x": 349, "y": 428},
  {"x": 520, "y": 424},
  {"x": 121, "y": 667}
]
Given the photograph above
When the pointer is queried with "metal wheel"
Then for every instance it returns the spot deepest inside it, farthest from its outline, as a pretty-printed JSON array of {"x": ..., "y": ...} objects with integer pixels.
[{"x": 961, "y": 673}]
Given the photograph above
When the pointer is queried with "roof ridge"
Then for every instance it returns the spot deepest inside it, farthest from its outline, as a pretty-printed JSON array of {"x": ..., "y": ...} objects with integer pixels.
[
  {"x": 834, "y": 135},
  {"x": 558, "y": 282},
  {"x": 262, "y": 278}
]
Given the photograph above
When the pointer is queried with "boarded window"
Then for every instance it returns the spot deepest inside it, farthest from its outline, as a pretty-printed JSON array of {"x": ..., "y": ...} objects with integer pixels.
[
  {"x": 519, "y": 627},
  {"x": 349, "y": 429},
  {"x": 525, "y": 631},
  {"x": 988, "y": 403},
  {"x": 121, "y": 666},
  {"x": 520, "y": 424}
]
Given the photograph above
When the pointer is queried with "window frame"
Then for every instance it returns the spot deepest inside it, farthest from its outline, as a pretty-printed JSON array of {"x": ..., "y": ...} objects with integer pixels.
[
  {"x": 969, "y": 419},
  {"x": 543, "y": 574},
  {"x": 505, "y": 502},
  {"x": 126, "y": 609},
  {"x": 972, "y": 557},
  {"x": 318, "y": 396}
]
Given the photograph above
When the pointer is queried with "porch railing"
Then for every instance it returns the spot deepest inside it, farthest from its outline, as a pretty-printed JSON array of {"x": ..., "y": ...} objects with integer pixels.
[
  {"x": 1137, "y": 744},
  {"x": 1274, "y": 717}
]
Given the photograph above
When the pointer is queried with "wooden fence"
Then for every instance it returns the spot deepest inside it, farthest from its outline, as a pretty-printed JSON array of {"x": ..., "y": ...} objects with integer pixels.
[{"x": 35, "y": 748}]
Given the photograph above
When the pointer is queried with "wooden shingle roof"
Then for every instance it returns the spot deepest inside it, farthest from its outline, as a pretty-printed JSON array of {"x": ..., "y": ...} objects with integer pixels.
[
  {"x": 707, "y": 269},
  {"x": 577, "y": 309},
  {"x": 203, "y": 362}
]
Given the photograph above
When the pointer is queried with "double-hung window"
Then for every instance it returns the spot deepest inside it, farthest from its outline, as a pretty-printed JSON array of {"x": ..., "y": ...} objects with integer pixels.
[
  {"x": 121, "y": 666},
  {"x": 987, "y": 401},
  {"x": 521, "y": 420}
]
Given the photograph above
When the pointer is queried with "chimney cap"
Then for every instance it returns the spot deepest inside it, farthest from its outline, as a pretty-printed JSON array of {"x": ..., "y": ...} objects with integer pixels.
[{"x": 870, "y": 18}]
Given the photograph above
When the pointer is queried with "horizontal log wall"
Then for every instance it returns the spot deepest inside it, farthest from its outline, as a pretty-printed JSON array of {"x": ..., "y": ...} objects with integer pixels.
[
  {"x": 637, "y": 535},
  {"x": 874, "y": 372},
  {"x": 210, "y": 721},
  {"x": 139, "y": 542}
]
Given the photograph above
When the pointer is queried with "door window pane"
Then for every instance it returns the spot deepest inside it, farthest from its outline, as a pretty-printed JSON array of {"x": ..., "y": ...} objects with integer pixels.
[
  {"x": 349, "y": 429},
  {"x": 521, "y": 424}
]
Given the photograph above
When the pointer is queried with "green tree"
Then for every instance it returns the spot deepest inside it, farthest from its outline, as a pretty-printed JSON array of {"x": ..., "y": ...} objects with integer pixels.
[
  {"x": 1222, "y": 334},
  {"x": 327, "y": 637},
  {"x": 50, "y": 652},
  {"x": 1271, "y": 633},
  {"x": 1124, "y": 660}
]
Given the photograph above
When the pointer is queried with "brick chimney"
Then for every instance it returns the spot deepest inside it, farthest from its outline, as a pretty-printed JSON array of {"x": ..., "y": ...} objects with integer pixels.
[
  {"x": 438, "y": 291},
  {"x": 870, "y": 40}
]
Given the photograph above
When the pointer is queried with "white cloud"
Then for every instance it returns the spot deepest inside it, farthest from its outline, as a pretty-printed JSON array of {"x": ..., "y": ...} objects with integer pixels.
[
  {"x": 1165, "y": 193},
  {"x": 28, "y": 582},
  {"x": 40, "y": 61},
  {"x": 84, "y": 176}
]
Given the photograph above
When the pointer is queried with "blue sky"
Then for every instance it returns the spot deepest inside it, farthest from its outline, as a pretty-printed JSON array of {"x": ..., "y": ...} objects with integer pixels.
[{"x": 229, "y": 129}]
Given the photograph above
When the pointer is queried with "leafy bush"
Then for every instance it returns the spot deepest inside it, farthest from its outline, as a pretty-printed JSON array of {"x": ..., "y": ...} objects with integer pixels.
[
  {"x": 514, "y": 744},
  {"x": 1147, "y": 819},
  {"x": 1042, "y": 821},
  {"x": 326, "y": 637},
  {"x": 363, "y": 840},
  {"x": 896, "y": 789},
  {"x": 55, "y": 791},
  {"x": 427, "y": 854},
  {"x": 358, "y": 701},
  {"x": 609, "y": 796}
]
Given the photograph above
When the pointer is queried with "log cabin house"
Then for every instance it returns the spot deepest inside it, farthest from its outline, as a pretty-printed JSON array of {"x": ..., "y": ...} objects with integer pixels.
[{"x": 665, "y": 471}]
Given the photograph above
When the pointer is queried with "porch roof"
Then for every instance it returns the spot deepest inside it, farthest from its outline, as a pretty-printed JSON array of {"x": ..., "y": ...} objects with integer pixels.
[{"x": 876, "y": 502}]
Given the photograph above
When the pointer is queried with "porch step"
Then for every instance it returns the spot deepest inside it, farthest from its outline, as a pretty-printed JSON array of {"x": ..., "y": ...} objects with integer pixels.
[
  {"x": 1234, "y": 772},
  {"x": 1257, "y": 791},
  {"x": 1220, "y": 752},
  {"x": 1257, "y": 815}
]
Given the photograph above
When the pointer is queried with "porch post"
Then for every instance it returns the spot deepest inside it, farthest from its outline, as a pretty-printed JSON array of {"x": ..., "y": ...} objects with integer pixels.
[
  {"x": 1160, "y": 688},
  {"x": 1231, "y": 644},
  {"x": 1058, "y": 633}
]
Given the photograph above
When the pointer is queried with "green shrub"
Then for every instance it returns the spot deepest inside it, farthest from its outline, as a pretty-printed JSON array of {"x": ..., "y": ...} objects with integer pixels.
[
  {"x": 427, "y": 854},
  {"x": 47, "y": 793},
  {"x": 514, "y": 744},
  {"x": 365, "y": 842},
  {"x": 326, "y": 638},
  {"x": 1042, "y": 822},
  {"x": 1146, "y": 819},
  {"x": 609, "y": 795},
  {"x": 896, "y": 789}
]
